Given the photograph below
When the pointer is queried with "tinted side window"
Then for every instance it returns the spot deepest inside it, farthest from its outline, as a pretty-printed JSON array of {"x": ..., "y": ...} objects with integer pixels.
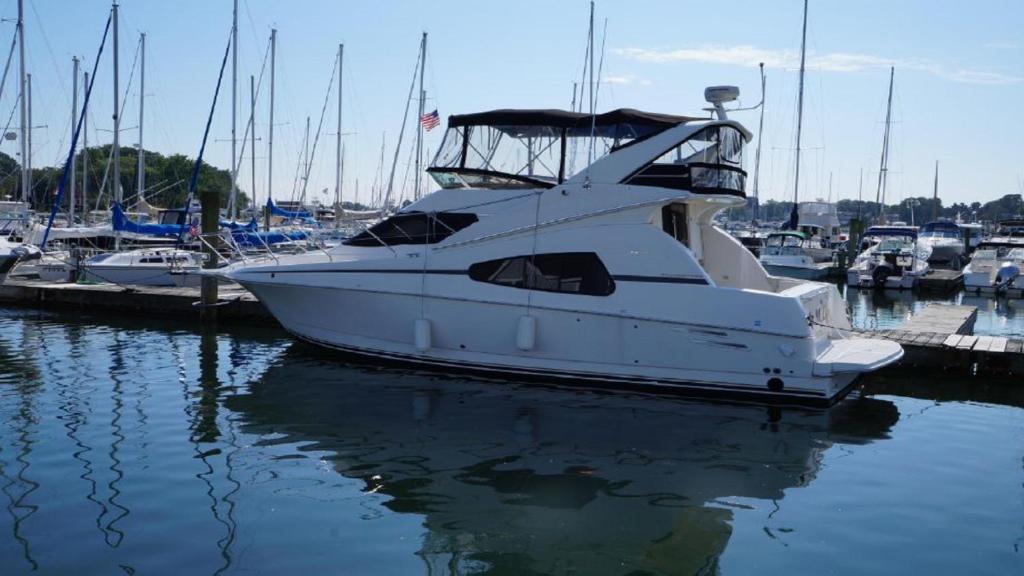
[
  {"x": 567, "y": 272},
  {"x": 413, "y": 228}
]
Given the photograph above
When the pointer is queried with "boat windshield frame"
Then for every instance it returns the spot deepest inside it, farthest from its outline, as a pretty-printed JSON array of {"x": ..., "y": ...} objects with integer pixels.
[{"x": 551, "y": 140}]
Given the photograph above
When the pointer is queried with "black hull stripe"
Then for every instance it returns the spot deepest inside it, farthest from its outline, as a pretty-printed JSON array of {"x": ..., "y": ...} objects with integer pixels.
[
  {"x": 443, "y": 272},
  {"x": 681, "y": 387}
]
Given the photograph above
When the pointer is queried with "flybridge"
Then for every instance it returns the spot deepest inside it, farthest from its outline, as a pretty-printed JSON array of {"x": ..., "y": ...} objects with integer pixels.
[{"x": 535, "y": 148}]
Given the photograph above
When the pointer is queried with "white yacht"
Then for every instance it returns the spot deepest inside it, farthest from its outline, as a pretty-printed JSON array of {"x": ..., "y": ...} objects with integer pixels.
[
  {"x": 607, "y": 272},
  {"x": 144, "y": 267},
  {"x": 891, "y": 257},
  {"x": 795, "y": 254},
  {"x": 946, "y": 241}
]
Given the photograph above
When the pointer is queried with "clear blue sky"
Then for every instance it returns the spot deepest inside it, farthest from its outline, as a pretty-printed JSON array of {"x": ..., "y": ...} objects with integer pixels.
[{"x": 959, "y": 78}]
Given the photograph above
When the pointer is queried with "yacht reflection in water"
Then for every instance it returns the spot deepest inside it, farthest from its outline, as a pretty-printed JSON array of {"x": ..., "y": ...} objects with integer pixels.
[{"x": 524, "y": 480}]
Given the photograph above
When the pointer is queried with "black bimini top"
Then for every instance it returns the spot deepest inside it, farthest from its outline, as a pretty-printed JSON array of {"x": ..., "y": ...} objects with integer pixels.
[{"x": 620, "y": 123}]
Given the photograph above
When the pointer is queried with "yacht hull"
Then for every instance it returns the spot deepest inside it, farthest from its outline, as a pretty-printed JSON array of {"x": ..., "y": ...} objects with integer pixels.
[{"x": 572, "y": 347}]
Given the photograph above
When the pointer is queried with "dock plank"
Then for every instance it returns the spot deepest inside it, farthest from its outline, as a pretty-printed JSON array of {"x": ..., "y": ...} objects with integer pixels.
[{"x": 967, "y": 343}]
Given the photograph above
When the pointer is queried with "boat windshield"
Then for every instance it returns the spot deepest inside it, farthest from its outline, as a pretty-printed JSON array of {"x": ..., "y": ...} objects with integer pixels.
[
  {"x": 785, "y": 240},
  {"x": 535, "y": 148},
  {"x": 940, "y": 230}
]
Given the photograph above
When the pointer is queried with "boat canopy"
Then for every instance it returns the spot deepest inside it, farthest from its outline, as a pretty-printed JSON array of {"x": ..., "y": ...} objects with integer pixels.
[
  {"x": 891, "y": 231},
  {"x": 535, "y": 148}
]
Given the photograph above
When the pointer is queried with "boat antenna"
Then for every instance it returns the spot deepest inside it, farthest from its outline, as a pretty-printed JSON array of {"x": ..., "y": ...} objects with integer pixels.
[
  {"x": 793, "y": 217},
  {"x": 884, "y": 163},
  {"x": 757, "y": 153},
  {"x": 935, "y": 194}
]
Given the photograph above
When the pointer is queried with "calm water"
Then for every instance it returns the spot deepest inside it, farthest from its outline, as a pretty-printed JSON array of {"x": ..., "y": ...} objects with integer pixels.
[{"x": 146, "y": 448}]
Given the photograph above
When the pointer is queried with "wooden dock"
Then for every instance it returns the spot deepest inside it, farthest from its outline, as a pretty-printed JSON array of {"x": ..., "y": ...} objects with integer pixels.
[
  {"x": 237, "y": 304},
  {"x": 940, "y": 281},
  {"x": 941, "y": 337}
]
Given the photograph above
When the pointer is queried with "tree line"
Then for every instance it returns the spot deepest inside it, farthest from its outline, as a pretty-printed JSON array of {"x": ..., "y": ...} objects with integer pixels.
[
  {"x": 167, "y": 180},
  {"x": 918, "y": 210}
]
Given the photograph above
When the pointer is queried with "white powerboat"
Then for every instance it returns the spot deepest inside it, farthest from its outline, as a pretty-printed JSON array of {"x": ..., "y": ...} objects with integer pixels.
[
  {"x": 611, "y": 273},
  {"x": 795, "y": 255},
  {"x": 144, "y": 267},
  {"x": 946, "y": 242},
  {"x": 995, "y": 264},
  {"x": 891, "y": 257}
]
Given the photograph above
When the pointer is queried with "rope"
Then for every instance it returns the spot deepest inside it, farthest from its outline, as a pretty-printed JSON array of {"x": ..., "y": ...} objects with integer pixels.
[{"x": 78, "y": 130}]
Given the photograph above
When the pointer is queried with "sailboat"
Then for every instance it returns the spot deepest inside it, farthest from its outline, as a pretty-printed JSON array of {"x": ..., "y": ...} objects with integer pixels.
[{"x": 799, "y": 253}]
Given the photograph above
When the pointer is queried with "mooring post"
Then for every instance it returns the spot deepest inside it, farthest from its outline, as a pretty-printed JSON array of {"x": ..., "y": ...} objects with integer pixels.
[
  {"x": 853, "y": 242},
  {"x": 210, "y": 224}
]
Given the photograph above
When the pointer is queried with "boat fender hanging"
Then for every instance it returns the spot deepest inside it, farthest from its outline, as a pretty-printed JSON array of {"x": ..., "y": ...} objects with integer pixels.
[
  {"x": 421, "y": 334},
  {"x": 526, "y": 333},
  {"x": 786, "y": 350}
]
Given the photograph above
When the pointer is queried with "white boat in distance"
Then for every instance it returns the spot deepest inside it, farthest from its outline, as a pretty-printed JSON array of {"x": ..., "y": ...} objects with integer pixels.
[
  {"x": 892, "y": 257},
  {"x": 795, "y": 255},
  {"x": 144, "y": 267},
  {"x": 995, "y": 265},
  {"x": 610, "y": 273},
  {"x": 946, "y": 242}
]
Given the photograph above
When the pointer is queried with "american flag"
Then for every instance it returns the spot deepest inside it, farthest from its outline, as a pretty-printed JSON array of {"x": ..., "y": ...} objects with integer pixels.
[{"x": 430, "y": 120}]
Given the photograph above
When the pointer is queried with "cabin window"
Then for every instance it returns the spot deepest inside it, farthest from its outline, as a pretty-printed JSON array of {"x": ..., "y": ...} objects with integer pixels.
[
  {"x": 567, "y": 272},
  {"x": 673, "y": 222},
  {"x": 151, "y": 260},
  {"x": 413, "y": 228},
  {"x": 708, "y": 162}
]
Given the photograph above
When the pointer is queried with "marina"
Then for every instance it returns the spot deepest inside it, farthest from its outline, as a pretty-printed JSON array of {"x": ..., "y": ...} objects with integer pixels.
[{"x": 712, "y": 312}]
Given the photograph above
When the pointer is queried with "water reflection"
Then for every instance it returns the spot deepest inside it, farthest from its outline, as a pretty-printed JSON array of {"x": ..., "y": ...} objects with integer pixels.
[{"x": 521, "y": 480}]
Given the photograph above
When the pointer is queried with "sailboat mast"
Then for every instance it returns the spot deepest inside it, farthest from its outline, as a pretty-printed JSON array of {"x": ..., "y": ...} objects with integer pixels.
[
  {"x": 270, "y": 128},
  {"x": 74, "y": 119},
  {"x": 337, "y": 150},
  {"x": 935, "y": 194},
  {"x": 757, "y": 154},
  {"x": 117, "y": 126},
  {"x": 234, "y": 111},
  {"x": 884, "y": 163},
  {"x": 419, "y": 117},
  {"x": 85, "y": 150},
  {"x": 305, "y": 163},
  {"x": 593, "y": 119},
  {"x": 141, "y": 169},
  {"x": 23, "y": 106},
  {"x": 800, "y": 109},
  {"x": 252, "y": 133}
]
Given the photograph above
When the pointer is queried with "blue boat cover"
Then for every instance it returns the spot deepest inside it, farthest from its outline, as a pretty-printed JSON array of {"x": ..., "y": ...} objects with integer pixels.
[
  {"x": 278, "y": 211},
  {"x": 124, "y": 224}
]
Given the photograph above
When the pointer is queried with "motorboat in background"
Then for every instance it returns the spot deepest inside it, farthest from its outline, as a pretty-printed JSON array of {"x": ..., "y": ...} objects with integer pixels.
[
  {"x": 10, "y": 253},
  {"x": 995, "y": 264},
  {"x": 891, "y": 257},
  {"x": 609, "y": 271},
  {"x": 795, "y": 255},
  {"x": 946, "y": 242}
]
